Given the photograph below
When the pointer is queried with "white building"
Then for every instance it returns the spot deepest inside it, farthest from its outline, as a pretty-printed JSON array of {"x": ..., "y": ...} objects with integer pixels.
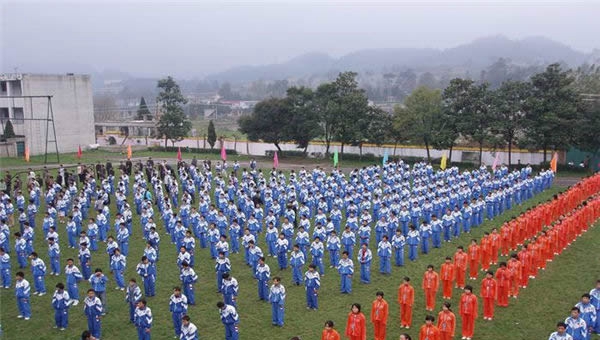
[{"x": 72, "y": 107}]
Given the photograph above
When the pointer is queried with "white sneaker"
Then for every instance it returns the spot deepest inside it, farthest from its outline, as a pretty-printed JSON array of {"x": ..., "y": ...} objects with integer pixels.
[
  {"x": 19, "y": 316},
  {"x": 26, "y": 319},
  {"x": 35, "y": 293},
  {"x": 75, "y": 303},
  {"x": 42, "y": 294},
  {"x": 62, "y": 329}
]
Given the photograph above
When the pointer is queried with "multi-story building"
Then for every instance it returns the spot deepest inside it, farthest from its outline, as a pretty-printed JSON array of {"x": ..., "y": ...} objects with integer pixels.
[{"x": 24, "y": 100}]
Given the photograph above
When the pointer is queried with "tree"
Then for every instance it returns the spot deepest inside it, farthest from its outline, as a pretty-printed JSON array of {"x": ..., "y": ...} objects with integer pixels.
[
  {"x": 268, "y": 122},
  {"x": 511, "y": 105},
  {"x": 211, "y": 135},
  {"x": 588, "y": 138},
  {"x": 304, "y": 119},
  {"x": 9, "y": 131},
  {"x": 475, "y": 120},
  {"x": 352, "y": 107},
  {"x": 456, "y": 102},
  {"x": 555, "y": 110},
  {"x": 173, "y": 125},
  {"x": 377, "y": 126},
  {"x": 143, "y": 111},
  {"x": 421, "y": 117},
  {"x": 327, "y": 109}
]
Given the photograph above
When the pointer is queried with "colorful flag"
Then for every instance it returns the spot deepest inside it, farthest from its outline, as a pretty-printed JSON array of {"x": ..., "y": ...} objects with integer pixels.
[
  {"x": 553, "y": 162},
  {"x": 275, "y": 160},
  {"x": 385, "y": 157},
  {"x": 179, "y": 154},
  {"x": 129, "y": 151},
  {"x": 223, "y": 153},
  {"x": 496, "y": 161},
  {"x": 79, "y": 153},
  {"x": 443, "y": 162},
  {"x": 26, "y": 153},
  {"x": 335, "y": 158}
]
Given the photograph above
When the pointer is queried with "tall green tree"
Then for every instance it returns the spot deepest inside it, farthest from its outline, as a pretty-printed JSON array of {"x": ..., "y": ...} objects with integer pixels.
[
  {"x": 552, "y": 121},
  {"x": 173, "y": 124},
  {"x": 327, "y": 109},
  {"x": 267, "y": 122},
  {"x": 421, "y": 117},
  {"x": 211, "y": 135},
  {"x": 476, "y": 119},
  {"x": 143, "y": 110},
  {"x": 9, "y": 131},
  {"x": 303, "y": 125},
  {"x": 512, "y": 102},
  {"x": 457, "y": 100}
]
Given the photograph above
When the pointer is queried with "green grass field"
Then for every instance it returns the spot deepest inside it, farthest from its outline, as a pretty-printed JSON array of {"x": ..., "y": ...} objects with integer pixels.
[{"x": 546, "y": 300}]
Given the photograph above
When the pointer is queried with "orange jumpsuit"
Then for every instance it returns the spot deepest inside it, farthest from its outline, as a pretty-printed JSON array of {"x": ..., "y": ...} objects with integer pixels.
[
  {"x": 486, "y": 252},
  {"x": 505, "y": 237},
  {"x": 447, "y": 277},
  {"x": 516, "y": 268},
  {"x": 429, "y": 332},
  {"x": 430, "y": 286},
  {"x": 356, "y": 328},
  {"x": 468, "y": 313},
  {"x": 534, "y": 253},
  {"x": 460, "y": 262},
  {"x": 406, "y": 298},
  {"x": 489, "y": 291},
  {"x": 494, "y": 246},
  {"x": 474, "y": 258},
  {"x": 503, "y": 276},
  {"x": 446, "y": 325},
  {"x": 379, "y": 316},
  {"x": 525, "y": 258},
  {"x": 330, "y": 334}
]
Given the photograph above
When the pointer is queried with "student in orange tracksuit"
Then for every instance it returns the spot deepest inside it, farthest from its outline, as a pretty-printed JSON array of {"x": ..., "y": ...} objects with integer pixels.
[
  {"x": 430, "y": 285},
  {"x": 503, "y": 277},
  {"x": 474, "y": 259},
  {"x": 460, "y": 266},
  {"x": 486, "y": 251},
  {"x": 543, "y": 250},
  {"x": 446, "y": 322},
  {"x": 329, "y": 333},
  {"x": 406, "y": 299},
  {"x": 495, "y": 241},
  {"x": 356, "y": 326},
  {"x": 468, "y": 312},
  {"x": 516, "y": 268},
  {"x": 525, "y": 258},
  {"x": 505, "y": 232},
  {"x": 489, "y": 292},
  {"x": 534, "y": 253},
  {"x": 514, "y": 227},
  {"x": 429, "y": 331},
  {"x": 447, "y": 277},
  {"x": 379, "y": 316}
]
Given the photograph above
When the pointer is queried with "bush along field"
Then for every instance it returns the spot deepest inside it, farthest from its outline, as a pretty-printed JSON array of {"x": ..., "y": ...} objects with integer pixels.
[{"x": 533, "y": 315}]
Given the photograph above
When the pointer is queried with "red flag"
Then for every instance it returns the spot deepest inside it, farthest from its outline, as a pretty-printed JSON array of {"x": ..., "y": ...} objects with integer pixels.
[
  {"x": 496, "y": 161},
  {"x": 79, "y": 153},
  {"x": 553, "y": 162},
  {"x": 223, "y": 153},
  {"x": 179, "y": 154},
  {"x": 275, "y": 160}
]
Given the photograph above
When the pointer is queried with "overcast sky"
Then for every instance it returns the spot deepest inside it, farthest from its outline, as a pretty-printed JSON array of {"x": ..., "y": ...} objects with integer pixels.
[{"x": 197, "y": 38}]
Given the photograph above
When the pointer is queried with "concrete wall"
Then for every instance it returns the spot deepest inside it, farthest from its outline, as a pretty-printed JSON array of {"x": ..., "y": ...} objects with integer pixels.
[{"x": 72, "y": 105}]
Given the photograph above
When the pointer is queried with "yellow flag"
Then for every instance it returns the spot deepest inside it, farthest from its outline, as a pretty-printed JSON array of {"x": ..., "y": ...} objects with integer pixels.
[
  {"x": 554, "y": 162},
  {"x": 26, "y": 153},
  {"x": 129, "y": 151},
  {"x": 443, "y": 162}
]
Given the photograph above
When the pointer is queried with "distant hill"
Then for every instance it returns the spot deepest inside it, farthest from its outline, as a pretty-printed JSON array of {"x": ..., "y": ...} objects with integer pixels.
[{"x": 475, "y": 56}]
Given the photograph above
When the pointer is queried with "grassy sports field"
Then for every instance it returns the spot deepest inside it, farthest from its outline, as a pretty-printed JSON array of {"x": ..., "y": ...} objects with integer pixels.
[{"x": 532, "y": 316}]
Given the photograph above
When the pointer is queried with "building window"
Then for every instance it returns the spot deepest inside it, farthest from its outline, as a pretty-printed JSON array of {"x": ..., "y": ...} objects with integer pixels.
[
  {"x": 3, "y": 87},
  {"x": 15, "y": 88},
  {"x": 18, "y": 115},
  {"x": 4, "y": 114}
]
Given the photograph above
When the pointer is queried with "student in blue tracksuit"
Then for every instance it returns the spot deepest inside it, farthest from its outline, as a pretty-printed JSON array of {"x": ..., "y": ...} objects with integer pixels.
[
  {"x": 178, "y": 306},
  {"x": 54, "y": 255},
  {"x": 297, "y": 261},
  {"x": 189, "y": 331},
  {"x": 92, "y": 307},
  {"x": 595, "y": 300},
  {"x": 5, "y": 269},
  {"x": 230, "y": 289},
  {"x": 21, "y": 250},
  {"x": 148, "y": 273},
  {"x": 316, "y": 250},
  {"x": 143, "y": 320},
  {"x": 425, "y": 233},
  {"x": 346, "y": 269},
  {"x": 230, "y": 319},
  {"x": 98, "y": 283},
  {"x": 22, "y": 294},
  {"x": 281, "y": 248},
  {"x": 398, "y": 242},
  {"x": 85, "y": 260},
  {"x": 133, "y": 295},
  {"x": 271, "y": 238},
  {"x": 436, "y": 231},
  {"x": 73, "y": 277},
  {"x": 118, "y": 264},
  {"x": 576, "y": 326},
  {"x": 333, "y": 246},
  {"x": 123, "y": 239},
  {"x": 348, "y": 240},
  {"x": 447, "y": 223},
  {"x": 188, "y": 277},
  {"x": 587, "y": 312},
  {"x": 263, "y": 275},
  {"x": 412, "y": 240},
  {"x": 364, "y": 259},
  {"x": 222, "y": 266},
  {"x": 384, "y": 251},
  {"x": 312, "y": 284},
  {"x": 38, "y": 270},
  {"x": 277, "y": 299},
  {"x": 61, "y": 303}
]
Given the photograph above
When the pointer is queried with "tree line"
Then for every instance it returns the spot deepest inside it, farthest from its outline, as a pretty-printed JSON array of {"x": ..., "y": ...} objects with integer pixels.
[{"x": 545, "y": 113}]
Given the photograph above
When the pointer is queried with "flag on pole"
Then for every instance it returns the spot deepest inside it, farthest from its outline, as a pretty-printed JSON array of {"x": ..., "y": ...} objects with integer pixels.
[
  {"x": 26, "y": 153},
  {"x": 179, "y": 154},
  {"x": 275, "y": 160},
  {"x": 335, "y": 158},
  {"x": 223, "y": 153},
  {"x": 496, "y": 161},
  {"x": 443, "y": 162},
  {"x": 553, "y": 162},
  {"x": 385, "y": 157},
  {"x": 79, "y": 153},
  {"x": 129, "y": 151}
]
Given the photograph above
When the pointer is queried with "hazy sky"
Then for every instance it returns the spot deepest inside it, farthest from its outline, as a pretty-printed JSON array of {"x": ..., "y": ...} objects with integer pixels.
[{"x": 197, "y": 38}]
